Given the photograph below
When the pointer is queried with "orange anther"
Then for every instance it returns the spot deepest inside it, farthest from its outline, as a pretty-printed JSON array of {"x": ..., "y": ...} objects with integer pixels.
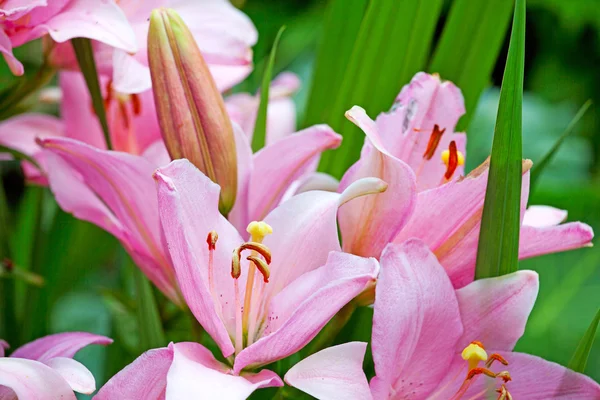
[
  {"x": 434, "y": 140},
  {"x": 211, "y": 240},
  {"x": 452, "y": 160}
]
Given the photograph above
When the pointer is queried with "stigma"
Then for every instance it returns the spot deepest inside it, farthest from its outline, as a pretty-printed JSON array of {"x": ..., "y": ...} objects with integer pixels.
[
  {"x": 258, "y": 230},
  {"x": 474, "y": 353}
]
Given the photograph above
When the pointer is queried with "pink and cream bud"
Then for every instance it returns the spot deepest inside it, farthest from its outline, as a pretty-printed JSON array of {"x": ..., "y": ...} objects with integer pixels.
[{"x": 191, "y": 112}]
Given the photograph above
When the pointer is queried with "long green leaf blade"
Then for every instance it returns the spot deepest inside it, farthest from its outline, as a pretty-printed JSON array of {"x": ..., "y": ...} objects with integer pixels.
[
  {"x": 152, "y": 334},
  {"x": 340, "y": 31},
  {"x": 541, "y": 165},
  {"x": 260, "y": 126},
  {"x": 469, "y": 47},
  {"x": 392, "y": 45},
  {"x": 580, "y": 357},
  {"x": 87, "y": 64},
  {"x": 498, "y": 249}
]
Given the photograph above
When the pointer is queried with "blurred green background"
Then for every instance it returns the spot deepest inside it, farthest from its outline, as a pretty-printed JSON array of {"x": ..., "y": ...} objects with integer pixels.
[{"x": 83, "y": 266}]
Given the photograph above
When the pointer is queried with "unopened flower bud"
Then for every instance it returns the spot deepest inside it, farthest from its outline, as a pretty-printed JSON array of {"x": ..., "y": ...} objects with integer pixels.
[{"x": 191, "y": 111}]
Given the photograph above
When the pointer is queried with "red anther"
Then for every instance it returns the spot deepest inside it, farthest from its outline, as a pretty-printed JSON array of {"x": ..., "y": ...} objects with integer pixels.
[
  {"x": 504, "y": 393},
  {"x": 211, "y": 240},
  {"x": 124, "y": 114},
  {"x": 137, "y": 104},
  {"x": 478, "y": 343},
  {"x": 109, "y": 93},
  {"x": 504, "y": 375},
  {"x": 495, "y": 357},
  {"x": 479, "y": 371},
  {"x": 434, "y": 140},
  {"x": 452, "y": 160}
]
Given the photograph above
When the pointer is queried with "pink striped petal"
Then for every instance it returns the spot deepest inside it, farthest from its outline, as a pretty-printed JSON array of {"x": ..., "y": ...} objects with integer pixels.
[
  {"x": 333, "y": 373},
  {"x": 59, "y": 345},
  {"x": 143, "y": 379},
  {"x": 33, "y": 380},
  {"x": 416, "y": 322},
  {"x": 298, "y": 313}
]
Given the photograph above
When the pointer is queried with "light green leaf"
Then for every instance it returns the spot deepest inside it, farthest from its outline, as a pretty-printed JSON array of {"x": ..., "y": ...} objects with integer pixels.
[
  {"x": 580, "y": 357},
  {"x": 149, "y": 323},
  {"x": 260, "y": 126},
  {"x": 498, "y": 249},
  {"x": 87, "y": 64},
  {"x": 469, "y": 47},
  {"x": 392, "y": 45},
  {"x": 539, "y": 167}
]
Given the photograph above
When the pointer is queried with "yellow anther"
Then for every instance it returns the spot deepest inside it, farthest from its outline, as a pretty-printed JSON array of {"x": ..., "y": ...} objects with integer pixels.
[
  {"x": 258, "y": 230},
  {"x": 474, "y": 353},
  {"x": 446, "y": 157}
]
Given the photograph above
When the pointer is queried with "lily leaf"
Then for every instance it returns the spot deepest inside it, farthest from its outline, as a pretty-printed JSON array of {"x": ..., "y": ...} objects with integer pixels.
[
  {"x": 260, "y": 126},
  {"x": 541, "y": 165},
  {"x": 498, "y": 249},
  {"x": 580, "y": 357},
  {"x": 87, "y": 64},
  {"x": 151, "y": 330}
]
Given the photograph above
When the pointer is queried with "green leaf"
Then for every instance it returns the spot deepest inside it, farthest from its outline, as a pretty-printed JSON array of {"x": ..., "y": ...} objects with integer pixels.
[
  {"x": 87, "y": 64},
  {"x": 18, "y": 155},
  {"x": 11, "y": 99},
  {"x": 498, "y": 250},
  {"x": 540, "y": 166},
  {"x": 340, "y": 30},
  {"x": 392, "y": 45},
  {"x": 150, "y": 325},
  {"x": 580, "y": 357},
  {"x": 260, "y": 126},
  {"x": 469, "y": 47}
]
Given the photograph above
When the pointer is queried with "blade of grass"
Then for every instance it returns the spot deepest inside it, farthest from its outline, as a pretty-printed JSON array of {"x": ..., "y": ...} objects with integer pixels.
[
  {"x": 87, "y": 64},
  {"x": 541, "y": 165},
  {"x": 8, "y": 317},
  {"x": 580, "y": 357},
  {"x": 150, "y": 325},
  {"x": 340, "y": 30},
  {"x": 469, "y": 46},
  {"x": 392, "y": 45},
  {"x": 498, "y": 249},
  {"x": 260, "y": 126}
]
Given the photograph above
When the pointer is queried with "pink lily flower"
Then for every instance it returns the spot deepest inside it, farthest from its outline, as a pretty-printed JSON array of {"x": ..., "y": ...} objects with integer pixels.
[
  {"x": 414, "y": 149},
  {"x": 224, "y": 34},
  {"x": 45, "y": 369},
  {"x": 415, "y": 301},
  {"x": 26, "y": 20}
]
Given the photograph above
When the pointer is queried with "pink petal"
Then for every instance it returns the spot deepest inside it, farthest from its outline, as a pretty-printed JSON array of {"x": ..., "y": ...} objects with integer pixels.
[
  {"x": 301, "y": 150},
  {"x": 59, "y": 345},
  {"x": 124, "y": 184},
  {"x": 543, "y": 216},
  {"x": 536, "y": 241},
  {"x": 143, "y": 379},
  {"x": 195, "y": 373},
  {"x": 76, "y": 374},
  {"x": 99, "y": 20},
  {"x": 129, "y": 74},
  {"x": 319, "y": 181},
  {"x": 188, "y": 203},
  {"x": 370, "y": 223},
  {"x": 300, "y": 311},
  {"x": 6, "y": 49},
  {"x": 416, "y": 322},
  {"x": 33, "y": 380},
  {"x": 333, "y": 373},
  {"x": 494, "y": 311},
  {"x": 238, "y": 216},
  {"x": 406, "y": 129},
  {"x": 157, "y": 153}
]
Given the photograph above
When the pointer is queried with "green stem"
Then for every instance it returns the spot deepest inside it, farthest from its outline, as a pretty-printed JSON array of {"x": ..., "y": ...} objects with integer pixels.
[
  {"x": 150, "y": 326},
  {"x": 24, "y": 89},
  {"x": 8, "y": 330}
]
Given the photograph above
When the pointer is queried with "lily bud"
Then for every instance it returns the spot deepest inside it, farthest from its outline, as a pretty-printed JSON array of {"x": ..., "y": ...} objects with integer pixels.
[{"x": 191, "y": 111}]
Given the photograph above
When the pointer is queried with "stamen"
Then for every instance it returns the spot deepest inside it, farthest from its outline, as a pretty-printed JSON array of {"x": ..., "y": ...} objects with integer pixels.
[
  {"x": 496, "y": 357},
  {"x": 211, "y": 240},
  {"x": 136, "y": 104},
  {"x": 452, "y": 159},
  {"x": 434, "y": 140},
  {"x": 262, "y": 266},
  {"x": 504, "y": 394}
]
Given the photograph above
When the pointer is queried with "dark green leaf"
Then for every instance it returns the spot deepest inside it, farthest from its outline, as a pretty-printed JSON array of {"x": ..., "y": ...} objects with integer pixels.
[
  {"x": 149, "y": 323},
  {"x": 498, "y": 249},
  {"x": 580, "y": 357},
  {"x": 539, "y": 167},
  {"x": 469, "y": 47},
  {"x": 392, "y": 45},
  {"x": 260, "y": 126},
  {"x": 18, "y": 155},
  {"x": 11, "y": 99},
  {"x": 340, "y": 30},
  {"x": 87, "y": 64}
]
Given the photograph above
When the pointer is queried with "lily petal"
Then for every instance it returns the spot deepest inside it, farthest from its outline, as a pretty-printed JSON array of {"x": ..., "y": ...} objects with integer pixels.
[
  {"x": 543, "y": 216},
  {"x": 368, "y": 224},
  {"x": 145, "y": 378},
  {"x": 33, "y": 380},
  {"x": 536, "y": 241},
  {"x": 188, "y": 202},
  {"x": 298, "y": 313},
  {"x": 76, "y": 374},
  {"x": 59, "y": 345},
  {"x": 302, "y": 151},
  {"x": 494, "y": 311},
  {"x": 333, "y": 373},
  {"x": 6, "y": 49},
  {"x": 414, "y": 302},
  {"x": 238, "y": 216},
  {"x": 195, "y": 373}
]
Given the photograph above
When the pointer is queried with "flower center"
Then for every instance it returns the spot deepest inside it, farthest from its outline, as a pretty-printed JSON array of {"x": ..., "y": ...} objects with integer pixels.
[
  {"x": 121, "y": 109},
  {"x": 451, "y": 157}
]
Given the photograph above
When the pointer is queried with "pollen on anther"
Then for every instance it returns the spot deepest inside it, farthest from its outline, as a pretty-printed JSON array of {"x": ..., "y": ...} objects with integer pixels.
[{"x": 211, "y": 240}]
